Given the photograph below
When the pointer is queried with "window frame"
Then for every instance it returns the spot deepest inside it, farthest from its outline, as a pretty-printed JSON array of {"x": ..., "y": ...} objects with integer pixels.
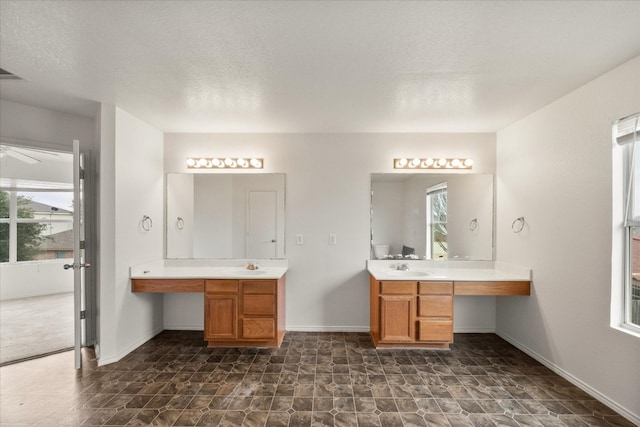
[
  {"x": 13, "y": 219},
  {"x": 626, "y": 135},
  {"x": 431, "y": 192}
]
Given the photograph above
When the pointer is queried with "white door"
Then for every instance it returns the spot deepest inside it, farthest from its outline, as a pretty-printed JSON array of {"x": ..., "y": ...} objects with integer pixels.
[
  {"x": 79, "y": 263},
  {"x": 262, "y": 222}
]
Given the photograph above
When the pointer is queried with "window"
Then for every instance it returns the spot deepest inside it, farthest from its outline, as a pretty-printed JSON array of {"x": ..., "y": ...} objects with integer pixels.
[
  {"x": 437, "y": 222},
  {"x": 627, "y": 135},
  {"x": 35, "y": 225}
]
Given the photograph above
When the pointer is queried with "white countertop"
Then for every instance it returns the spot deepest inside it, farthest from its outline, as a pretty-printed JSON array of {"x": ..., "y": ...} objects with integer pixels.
[
  {"x": 208, "y": 269},
  {"x": 450, "y": 271}
]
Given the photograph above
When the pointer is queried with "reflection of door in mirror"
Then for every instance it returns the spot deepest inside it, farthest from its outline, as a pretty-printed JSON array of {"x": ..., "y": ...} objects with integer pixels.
[
  {"x": 209, "y": 215},
  {"x": 262, "y": 224}
]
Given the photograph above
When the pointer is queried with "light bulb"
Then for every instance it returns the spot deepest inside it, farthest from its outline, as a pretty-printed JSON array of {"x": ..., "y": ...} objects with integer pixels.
[
  {"x": 228, "y": 161},
  {"x": 202, "y": 162},
  {"x": 415, "y": 162},
  {"x": 442, "y": 162},
  {"x": 256, "y": 163},
  {"x": 455, "y": 163},
  {"x": 402, "y": 162},
  {"x": 191, "y": 162},
  {"x": 468, "y": 163},
  {"x": 242, "y": 162}
]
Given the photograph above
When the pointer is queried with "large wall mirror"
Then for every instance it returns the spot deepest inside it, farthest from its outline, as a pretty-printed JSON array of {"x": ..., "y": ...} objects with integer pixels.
[
  {"x": 225, "y": 216},
  {"x": 432, "y": 216}
]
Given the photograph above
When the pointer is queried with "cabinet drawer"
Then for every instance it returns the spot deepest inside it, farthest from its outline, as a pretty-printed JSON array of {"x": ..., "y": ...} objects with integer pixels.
[
  {"x": 264, "y": 328},
  {"x": 435, "y": 288},
  {"x": 435, "y": 306},
  {"x": 259, "y": 305},
  {"x": 435, "y": 330},
  {"x": 221, "y": 286},
  {"x": 259, "y": 287},
  {"x": 404, "y": 288}
]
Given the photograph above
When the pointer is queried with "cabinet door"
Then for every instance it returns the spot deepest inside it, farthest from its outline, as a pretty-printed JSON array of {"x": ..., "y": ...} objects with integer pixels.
[
  {"x": 396, "y": 323},
  {"x": 221, "y": 317}
]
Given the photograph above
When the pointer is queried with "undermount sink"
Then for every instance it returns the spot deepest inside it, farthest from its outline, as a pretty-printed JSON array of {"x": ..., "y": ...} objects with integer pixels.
[
  {"x": 249, "y": 272},
  {"x": 408, "y": 273}
]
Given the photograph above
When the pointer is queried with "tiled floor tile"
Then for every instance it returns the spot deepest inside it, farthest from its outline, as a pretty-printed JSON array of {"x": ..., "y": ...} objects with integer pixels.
[{"x": 314, "y": 379}]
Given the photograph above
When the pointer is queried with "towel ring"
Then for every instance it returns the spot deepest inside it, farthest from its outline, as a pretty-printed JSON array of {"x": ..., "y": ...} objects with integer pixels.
[
  {"x": 473, "y": 225},
  {"x": 147, "y": 223},
  {"x": 518, "y": 224},
  {"x": 180, "y": 223}
]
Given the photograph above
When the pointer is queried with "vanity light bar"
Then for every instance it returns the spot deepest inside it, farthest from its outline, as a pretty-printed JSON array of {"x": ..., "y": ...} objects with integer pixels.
[
  {"x": 224, "y": 163},
  {"x": 431, "y": 163}
]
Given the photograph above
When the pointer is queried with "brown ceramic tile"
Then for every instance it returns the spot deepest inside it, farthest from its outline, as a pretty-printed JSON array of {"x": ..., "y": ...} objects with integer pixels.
[{"x": 314, "y": 379}]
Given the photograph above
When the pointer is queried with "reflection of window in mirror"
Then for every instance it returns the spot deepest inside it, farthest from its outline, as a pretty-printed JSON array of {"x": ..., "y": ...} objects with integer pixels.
[{"x": 437, "y": 221}]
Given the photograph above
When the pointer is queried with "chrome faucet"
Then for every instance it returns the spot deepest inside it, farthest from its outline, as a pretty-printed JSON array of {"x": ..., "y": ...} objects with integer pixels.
[{"x": 403, "y": 267}]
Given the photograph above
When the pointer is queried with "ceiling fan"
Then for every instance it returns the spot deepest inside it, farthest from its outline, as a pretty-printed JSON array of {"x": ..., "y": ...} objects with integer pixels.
[{"x": 30, "y": 156}]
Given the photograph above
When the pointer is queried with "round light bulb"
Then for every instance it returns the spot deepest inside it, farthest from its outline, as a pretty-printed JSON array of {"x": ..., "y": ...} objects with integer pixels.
[
  {"x": 468, "y": 163},
  {"x": 242, "y": 162},
  {"x": 191, "y": 162},
  {"x": 455, "y": 163},
  {"x": 202, "y": 162},
  {"x": 442, "y": 162},
  {"x": 401, "y": 162},
  {"x": 215, "y": 162},
  {"x": 415, "y": 162},
  {"x": 256, "y": 163},
  {"x": 228, "y": 161}
]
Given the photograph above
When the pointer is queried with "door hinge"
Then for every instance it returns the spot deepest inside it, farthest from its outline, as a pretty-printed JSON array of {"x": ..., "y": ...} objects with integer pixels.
[
  {"x": 83, "y": 314},
  {"x": 81, "y": 173},
  {"x": 82, "y": 244}
]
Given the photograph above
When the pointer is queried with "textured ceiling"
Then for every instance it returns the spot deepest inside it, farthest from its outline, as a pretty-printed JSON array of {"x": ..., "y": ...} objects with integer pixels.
[{"x": 200, "y": 66}]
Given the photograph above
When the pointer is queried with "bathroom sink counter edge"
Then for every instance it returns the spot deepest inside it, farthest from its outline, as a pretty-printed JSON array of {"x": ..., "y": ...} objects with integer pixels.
[
  {"x": 209, "y": 269},
  {"x": 448, "y": 271}
]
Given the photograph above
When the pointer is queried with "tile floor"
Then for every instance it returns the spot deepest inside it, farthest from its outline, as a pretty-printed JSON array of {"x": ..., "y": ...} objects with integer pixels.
[{"x": 314, "y": 379}]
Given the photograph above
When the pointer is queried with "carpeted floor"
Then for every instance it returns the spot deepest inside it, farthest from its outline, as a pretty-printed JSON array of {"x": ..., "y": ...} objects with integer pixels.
[{"x": 34, "y": 326}]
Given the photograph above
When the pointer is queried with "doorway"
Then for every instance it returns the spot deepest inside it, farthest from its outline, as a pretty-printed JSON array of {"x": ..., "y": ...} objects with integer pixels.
[{"x": 36, "y": 240}]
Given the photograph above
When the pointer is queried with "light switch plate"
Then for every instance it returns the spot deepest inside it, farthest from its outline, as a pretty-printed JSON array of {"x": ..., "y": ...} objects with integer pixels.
[
  {"x": 333, "y": 239},
  {"x": 299, "y": 239}
]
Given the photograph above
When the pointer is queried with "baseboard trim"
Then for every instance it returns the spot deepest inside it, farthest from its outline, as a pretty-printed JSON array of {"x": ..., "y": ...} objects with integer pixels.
[
  {"x": 115, "y": 358},
  {"x": 327, "y": 329},
  {"x": 183, "y": 328},
  {"x": 474, "y": 330},
  {"x": 634, "y": 418}
]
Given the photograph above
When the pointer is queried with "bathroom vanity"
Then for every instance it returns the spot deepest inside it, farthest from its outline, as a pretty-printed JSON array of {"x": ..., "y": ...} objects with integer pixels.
[
  {"x": 242, "y": 308},
  {"x": 414, "y": 308}
]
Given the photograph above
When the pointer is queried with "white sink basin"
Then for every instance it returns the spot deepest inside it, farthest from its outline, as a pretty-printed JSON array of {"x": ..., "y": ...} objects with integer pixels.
[
  {"x": 244, "y": 272},
  {"x": 408, "y": 273}
]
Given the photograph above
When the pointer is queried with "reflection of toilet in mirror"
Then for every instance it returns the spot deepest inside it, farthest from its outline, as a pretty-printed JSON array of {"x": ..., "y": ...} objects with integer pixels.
[{"x": 381, "y": 251}]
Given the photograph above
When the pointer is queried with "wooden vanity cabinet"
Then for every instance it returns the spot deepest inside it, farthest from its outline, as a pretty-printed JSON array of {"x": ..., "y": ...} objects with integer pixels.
[
  {"x": 244, "y": 312},
  {"x": 411, "y": 314}
]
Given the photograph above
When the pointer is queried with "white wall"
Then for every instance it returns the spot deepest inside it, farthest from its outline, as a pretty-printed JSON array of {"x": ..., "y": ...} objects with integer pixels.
[
  {"x": 132, "y": 186},
  {"x": 213, "y": 215},
  {"x": 328, "y": 191},
  {"x": 34, "y": 278},
  {"x": 24, "y": 124},
  {"x": 554, "y": 168}
]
